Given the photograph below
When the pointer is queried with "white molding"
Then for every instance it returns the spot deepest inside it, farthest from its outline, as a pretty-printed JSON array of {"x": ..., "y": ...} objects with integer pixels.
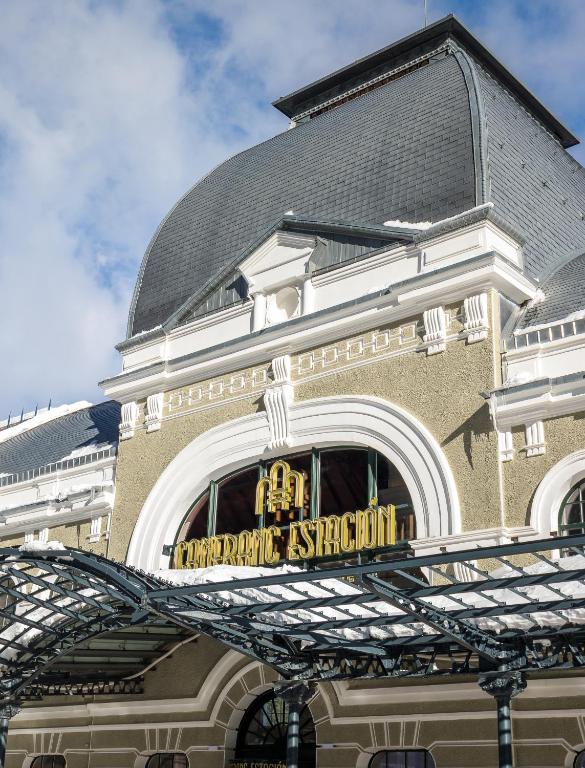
[
  {"x": 154, "y": 409},
  {"x": 279, "y": 249},
  {"x": 435, "y": 322},
  {"x": 171, "y": 364},
  {"x": 75, "y": 507},
  {"x": 476, "y": 317},
  {"x": 558, "y": 481},
  {"x": 128, "y": 420},
  {"x": 278, "y": 399},
  {"x": 551, "y": 359},
  {"x": 538, "y": 401},
  {"x": 343, "y": 420}
]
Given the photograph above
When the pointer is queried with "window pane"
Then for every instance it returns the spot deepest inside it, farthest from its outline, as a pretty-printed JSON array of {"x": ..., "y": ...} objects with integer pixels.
[
  {"x": 580, "y": 760},
  {"x": 168, "y": 760},
  {"x": 236, "y": 498},
  {"x": 392, "y": 490},
  {"x": 195, "y": 526},
  {"x": 48, "y": 761},
  {"x": 344, "y": 481}
]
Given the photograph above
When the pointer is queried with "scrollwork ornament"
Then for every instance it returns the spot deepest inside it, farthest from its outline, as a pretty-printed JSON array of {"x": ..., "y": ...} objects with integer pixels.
[
  {"x": 9, "y": 710},
  {"x": 503, "y": 685}
]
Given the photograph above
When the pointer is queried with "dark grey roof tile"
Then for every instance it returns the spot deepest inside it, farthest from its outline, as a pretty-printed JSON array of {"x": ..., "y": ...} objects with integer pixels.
[{"x": 47, "y": 443}]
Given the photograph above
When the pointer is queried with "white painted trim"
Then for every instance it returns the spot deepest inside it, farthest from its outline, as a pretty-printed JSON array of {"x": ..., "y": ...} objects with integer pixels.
[
  {"x": 342, "y": 420},
  {"x": 553, "y": 488},
  {"x": 163, "y": 371},
  {"x": 542, "y": 401}
]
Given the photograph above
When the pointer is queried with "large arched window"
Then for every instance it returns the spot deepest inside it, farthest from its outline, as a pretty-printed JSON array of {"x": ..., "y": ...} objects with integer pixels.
[
  {"x": 262, "y": 733},
  {"x": 48, "y": 761},
  {"x": 167, "y": 760},
  {"x": 336, "y": 480},
  {"x": 572, "y": 511},
  {"x": 402, "y": 758}
]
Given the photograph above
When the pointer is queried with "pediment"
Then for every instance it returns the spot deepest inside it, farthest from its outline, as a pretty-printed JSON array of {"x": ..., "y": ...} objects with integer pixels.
[{"x": 281, "y": 258}]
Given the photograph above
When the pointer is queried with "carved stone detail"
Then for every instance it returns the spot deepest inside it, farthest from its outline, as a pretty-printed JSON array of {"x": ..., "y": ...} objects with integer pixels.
[
  {"x": 154, "y": 408},
  {"x": 535, "y": 444},
  {"x": 505, "y": 445},
  {"x": 278, "y": 398},
  {"x": 128, "y": 420},
  {"x": 503, "y": 685},
  {"x": 476, "y": 318},
  {"x": 435, "y": 322}
]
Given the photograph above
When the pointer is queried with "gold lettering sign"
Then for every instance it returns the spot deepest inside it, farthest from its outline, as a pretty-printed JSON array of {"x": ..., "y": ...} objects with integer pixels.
[{"x": 282, "y": 492}]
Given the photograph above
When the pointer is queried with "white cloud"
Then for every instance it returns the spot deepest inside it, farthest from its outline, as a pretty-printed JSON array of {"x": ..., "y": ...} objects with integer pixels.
[{"x": 110, "y": 110}]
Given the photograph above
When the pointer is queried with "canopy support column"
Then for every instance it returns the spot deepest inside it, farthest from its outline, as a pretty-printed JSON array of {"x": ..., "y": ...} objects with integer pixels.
[
  {"x": 7, "y": 712},
  {"x": 295, "y": 696},
  {"x": 503, "y": 686}
]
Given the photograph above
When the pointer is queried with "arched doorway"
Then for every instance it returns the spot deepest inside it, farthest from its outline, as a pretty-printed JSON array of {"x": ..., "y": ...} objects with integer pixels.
[{"x": 262, "y": 733}]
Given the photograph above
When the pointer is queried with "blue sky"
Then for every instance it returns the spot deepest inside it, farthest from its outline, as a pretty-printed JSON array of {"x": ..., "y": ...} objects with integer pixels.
[{"x": 111, "y": 109}]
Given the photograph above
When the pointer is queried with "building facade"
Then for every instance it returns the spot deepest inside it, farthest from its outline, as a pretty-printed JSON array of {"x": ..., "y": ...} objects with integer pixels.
[{"x": 390, "y": 297}]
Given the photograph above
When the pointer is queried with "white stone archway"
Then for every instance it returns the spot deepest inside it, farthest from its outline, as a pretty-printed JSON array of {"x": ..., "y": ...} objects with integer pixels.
[
  {"x": 343, "y": 420},
  {"x": 558, "y": 481}
]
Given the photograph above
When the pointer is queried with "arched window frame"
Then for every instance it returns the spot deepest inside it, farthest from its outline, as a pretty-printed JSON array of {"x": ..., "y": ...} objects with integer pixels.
[
  {"x": 307, "y": 747},
  {"x": 48, "y": 761},
  {"x": 404, "y": 753},
  {"x": 211, "y": 492},
  {"x": 154, "y": 760},
  {"x": 554, "y": 487},
  {"x": 573, "y": 528}
]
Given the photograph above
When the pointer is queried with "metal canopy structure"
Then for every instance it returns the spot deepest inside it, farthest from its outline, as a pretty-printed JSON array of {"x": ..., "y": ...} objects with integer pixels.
[{"x": 75, "y": 622}]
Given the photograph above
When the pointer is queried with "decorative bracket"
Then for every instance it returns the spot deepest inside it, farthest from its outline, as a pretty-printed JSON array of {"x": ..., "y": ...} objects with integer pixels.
[
  {"x": 128, "y": 420},
  {"x": 154, "y": 407},
  {"x": 476, "y": 318},
  {"x": 535, "y": 444},
  {"x": 505, "y": 445},
  {"x": 278, "y": 398},
  {"x": 435, "y": 322},
  {"x": 503, "y": 685}
]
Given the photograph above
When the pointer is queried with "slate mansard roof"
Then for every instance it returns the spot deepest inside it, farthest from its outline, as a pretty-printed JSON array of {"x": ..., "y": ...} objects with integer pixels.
[
  {"x": 54, "y": 440},
  {"x": 564, "y": 295},
  {"x": 449, "y": 128}
]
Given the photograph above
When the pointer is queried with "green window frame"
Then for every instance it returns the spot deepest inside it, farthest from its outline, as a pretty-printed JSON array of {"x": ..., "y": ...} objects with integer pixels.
[
  {"x": 263, "y": 466},
  {"x": 575, "y": 498}
]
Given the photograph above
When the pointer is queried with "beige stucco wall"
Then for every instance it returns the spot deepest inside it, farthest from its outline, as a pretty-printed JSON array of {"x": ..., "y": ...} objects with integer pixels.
[
  {"x": 523, "y": 475},
  {"x": 442, "y": 391},
  {"x": 202, "y": 700}
]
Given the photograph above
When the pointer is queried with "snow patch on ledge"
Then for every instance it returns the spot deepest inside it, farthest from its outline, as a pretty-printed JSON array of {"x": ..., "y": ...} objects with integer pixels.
[
  {"x": 42, "y": 418},
  {"x": 397, "y": 224},
  {"x": 43, "y": 546}
]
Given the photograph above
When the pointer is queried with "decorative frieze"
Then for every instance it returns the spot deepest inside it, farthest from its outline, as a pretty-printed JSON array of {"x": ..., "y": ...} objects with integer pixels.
[
  {"x": 278, "y": 398},
  {"x": 154, "y": 409},
  {"x": 128, "y": 420},
  {"x": 535, "y": 444},
  {"x": 476, "y": 323},
  {"x": 435, "y": 322}
]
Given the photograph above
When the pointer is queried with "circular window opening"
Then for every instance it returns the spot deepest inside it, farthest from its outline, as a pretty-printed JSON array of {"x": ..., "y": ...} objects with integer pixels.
[
  {"x": 283, "y": 305},
  {"x": 580, "y": 760}
]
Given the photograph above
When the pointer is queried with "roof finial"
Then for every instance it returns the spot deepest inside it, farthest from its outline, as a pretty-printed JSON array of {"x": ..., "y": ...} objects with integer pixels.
[{"x": 426, "y": 2}]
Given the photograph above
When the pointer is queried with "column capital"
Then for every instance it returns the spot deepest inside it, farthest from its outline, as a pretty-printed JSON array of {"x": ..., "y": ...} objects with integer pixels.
[
  {"x": 504, "y": 684},
  {"x": 297, "y": 693}
]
